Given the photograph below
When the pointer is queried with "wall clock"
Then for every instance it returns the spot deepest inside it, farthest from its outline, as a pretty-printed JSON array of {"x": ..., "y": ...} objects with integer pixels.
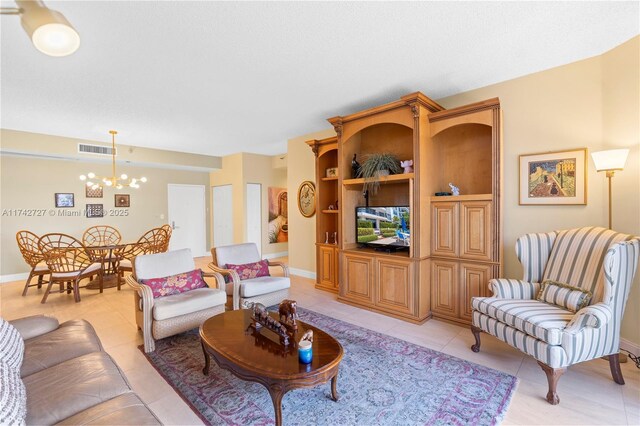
[{"x": 307, "y": 198}]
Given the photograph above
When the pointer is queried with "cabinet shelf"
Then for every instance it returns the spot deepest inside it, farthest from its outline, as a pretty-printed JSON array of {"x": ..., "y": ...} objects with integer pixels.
[
  {"x": 330, "y": 211},
  {"x": 466, "y": 197},
  {"x": 325, "y": 179},
  {"x": 400, "y": 178}
]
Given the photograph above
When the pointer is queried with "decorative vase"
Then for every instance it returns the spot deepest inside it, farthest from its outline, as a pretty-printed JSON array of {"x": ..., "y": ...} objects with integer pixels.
[
  {"x": 326, "y": 238},
  {"x": 305, "y": 352}
]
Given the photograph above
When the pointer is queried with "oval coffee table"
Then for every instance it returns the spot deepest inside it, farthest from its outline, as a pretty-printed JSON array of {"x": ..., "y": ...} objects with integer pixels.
[{"x": 259, "y": 357}]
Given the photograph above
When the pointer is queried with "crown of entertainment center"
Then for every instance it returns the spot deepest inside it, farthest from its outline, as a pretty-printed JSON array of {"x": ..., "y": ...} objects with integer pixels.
[{"x": 455, "y": 245}]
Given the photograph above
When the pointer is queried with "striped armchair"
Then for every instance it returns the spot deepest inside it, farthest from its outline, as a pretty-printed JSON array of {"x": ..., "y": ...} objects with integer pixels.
[{"x": 595, "y": 260}]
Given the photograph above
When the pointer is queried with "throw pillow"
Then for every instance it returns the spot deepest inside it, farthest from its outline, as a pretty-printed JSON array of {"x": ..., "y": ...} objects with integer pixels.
[
  {"x": 175, "y": 284},
  {"x": 564, "y": 295},
  {"x": 11, "y": 345},
  {"x": 13, "y": 396},
  {"x": 251, "y": 270}
]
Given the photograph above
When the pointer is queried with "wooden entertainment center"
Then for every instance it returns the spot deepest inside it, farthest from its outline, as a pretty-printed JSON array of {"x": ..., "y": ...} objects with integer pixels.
[{"x": 456, "y": 241}]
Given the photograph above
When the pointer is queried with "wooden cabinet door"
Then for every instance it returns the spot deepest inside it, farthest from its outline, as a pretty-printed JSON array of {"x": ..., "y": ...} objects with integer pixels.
[
  {"x": 444, "y": 232},
  {"x": 358, "y": 278},
  {"x": 444, "y": 287},
  {"x": 336, "y": 265},
  {"x": 395, "y": 290},
  {"x": 327, "y": 266},
  {"x": 474, "y": 282},
  {"x": 476, "y": 230}
]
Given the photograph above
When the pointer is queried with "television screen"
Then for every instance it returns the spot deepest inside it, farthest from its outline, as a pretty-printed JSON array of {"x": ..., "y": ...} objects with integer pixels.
[{"x": 383, "y": 226}]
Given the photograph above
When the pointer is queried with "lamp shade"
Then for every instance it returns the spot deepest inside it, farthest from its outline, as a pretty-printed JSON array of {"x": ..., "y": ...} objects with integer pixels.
[
  {"x": 612, "y": 159},
  {"x": 48, "y": 29}
]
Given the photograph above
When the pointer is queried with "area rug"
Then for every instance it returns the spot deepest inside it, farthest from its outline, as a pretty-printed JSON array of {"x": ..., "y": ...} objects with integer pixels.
[{"x": 382, "y": 380}]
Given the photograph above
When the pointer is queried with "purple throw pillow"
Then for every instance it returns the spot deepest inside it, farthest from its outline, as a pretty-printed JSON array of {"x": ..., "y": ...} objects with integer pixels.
[
  {"x": 251, "y": 270},
  {"x": 175, "y": 284}
]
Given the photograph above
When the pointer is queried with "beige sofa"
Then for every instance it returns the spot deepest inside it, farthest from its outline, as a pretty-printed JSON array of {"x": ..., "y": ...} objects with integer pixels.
[{"x": 70, "y": 379}]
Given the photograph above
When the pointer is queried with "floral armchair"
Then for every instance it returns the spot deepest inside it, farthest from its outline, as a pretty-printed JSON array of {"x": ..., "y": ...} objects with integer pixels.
[{"x": 561, "y": 268}]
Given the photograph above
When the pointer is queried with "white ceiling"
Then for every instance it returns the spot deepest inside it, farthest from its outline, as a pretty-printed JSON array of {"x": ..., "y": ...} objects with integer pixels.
[{"x": 218, "y": 78}]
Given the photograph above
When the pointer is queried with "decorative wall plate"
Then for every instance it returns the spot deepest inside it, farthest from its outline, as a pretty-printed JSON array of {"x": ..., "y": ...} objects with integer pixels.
[{"x": 307, "y": 198}]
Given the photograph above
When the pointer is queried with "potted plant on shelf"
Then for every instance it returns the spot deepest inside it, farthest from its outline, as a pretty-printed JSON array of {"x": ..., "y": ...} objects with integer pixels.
[{"x": 375, "y": 166}]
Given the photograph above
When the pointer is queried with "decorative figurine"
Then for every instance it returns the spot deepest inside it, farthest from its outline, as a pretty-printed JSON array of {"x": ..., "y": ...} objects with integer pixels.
[
  {"x": 454, "y": 189},
  {"x": 408, "y": 166},
  {"x": 308, "y": 336},
  {"x": 332, "y": 207},
  {"x": 262, "y": 318},
  {"x": 326, "y": 238},
  {"x": 288, "y": 313},
  {"x": 335, "y": 238},
  {"x": 355, "y": 167}
]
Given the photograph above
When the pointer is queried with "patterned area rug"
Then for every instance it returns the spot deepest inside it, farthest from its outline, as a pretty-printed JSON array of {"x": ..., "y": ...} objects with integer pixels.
[{"x": 382, "y": 380}]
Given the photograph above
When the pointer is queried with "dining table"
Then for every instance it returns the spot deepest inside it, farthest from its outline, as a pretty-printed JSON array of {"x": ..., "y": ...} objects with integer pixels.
[{"x": 110, "y": 256}]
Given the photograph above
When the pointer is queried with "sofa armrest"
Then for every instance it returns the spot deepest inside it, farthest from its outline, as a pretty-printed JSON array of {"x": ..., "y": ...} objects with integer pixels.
[
  {"x": 595, "y": 316},
  {"x": 219, "y": 279},
  {"x": 34, "y": 326},
  {"x": 504, "y": 288},
  {"x": 284, "y": 267},
  {"x": 235, "y": 279}
]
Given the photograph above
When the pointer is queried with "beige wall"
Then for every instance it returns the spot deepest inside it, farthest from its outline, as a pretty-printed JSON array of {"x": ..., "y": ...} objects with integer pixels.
[
  {"x": 591, "y": 103},
  {"x": 301, "y": 167},
  {"x": 30, "y": 183},
  {"x": 621, "y": 129},
  {"x": 240, "y": 169}
]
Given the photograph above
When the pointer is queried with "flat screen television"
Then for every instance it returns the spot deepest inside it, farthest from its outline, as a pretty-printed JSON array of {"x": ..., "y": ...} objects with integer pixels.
[{"x": 385, "y": 228}]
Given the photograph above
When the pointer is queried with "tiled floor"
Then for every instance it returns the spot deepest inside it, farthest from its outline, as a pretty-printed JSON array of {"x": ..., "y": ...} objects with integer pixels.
[{"x": 587, "y": 392}]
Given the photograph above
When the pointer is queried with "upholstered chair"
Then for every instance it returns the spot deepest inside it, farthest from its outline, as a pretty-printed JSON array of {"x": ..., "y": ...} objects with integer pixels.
[
  {"x": 165, "y": 316},
  {"x": 153, "y": 241},
  {"x": 69, "y": 262},
  {"x": 568, "y": 307},
  {"x": 28, "y": 245},
  {"x": 268, "y": 290}
]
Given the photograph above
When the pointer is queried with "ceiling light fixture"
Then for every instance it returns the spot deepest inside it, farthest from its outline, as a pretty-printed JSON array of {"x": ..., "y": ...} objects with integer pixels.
[
  {"x": 115, "y": 181},
  {"x": 48, "y": 29}
]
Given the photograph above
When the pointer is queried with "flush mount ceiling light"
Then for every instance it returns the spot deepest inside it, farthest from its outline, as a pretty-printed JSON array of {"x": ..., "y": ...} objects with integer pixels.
[{"x": 48, "y": 29}]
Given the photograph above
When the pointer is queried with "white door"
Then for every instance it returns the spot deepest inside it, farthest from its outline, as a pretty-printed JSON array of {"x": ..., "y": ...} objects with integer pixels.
[
  {"x": 222, "y": 215},
  {"x": 254, "y": 215},
  {"x": 187, "y": 217}
]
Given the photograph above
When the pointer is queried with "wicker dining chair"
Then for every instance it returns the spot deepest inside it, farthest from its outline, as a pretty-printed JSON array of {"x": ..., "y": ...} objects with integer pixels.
[
  {"x": 151, "y": 242},
  {"x": 169, "y": 230},
  {"x": 28, "y": 245},
  {"x": 69, "y": 261},
  {"x": 103, "y": 235}
]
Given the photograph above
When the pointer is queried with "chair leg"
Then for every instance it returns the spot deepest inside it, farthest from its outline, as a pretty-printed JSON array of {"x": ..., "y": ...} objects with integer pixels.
[
  {"x": 476, "y": 333},
  {"x": 40, "y": 281},
  {"x": 76, "y": 290},
  {"x": 616, "y": 372},
  {"x": 26, "y": 285},
  {"x": 69, "y": 285},
  {"x": 553, "y": 375},
  {"x": 46, "y": 292},
  {"x": 101, "y": 279}
]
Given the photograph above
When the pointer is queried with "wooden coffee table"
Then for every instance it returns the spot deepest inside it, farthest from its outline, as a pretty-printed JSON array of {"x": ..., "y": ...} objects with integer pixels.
[{"x": 259, "y": 357}]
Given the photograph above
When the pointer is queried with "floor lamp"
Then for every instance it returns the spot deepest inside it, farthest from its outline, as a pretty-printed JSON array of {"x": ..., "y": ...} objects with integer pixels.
[{"x": 609, "y": 161}]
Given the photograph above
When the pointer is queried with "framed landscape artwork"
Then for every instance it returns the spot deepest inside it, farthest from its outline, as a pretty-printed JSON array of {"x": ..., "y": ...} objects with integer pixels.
[
  {"x": 64, "y": 199},
  {"x": 554, "y": 178}
]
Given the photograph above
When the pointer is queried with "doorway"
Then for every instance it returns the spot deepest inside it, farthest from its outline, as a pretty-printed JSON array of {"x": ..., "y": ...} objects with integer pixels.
[
  {"x": 222, "y": 215},
  {"x": 187, "y": 217}
]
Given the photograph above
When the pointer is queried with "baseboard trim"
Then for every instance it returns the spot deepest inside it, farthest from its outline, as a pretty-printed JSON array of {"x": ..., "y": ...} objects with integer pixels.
[
  {"x": 274, "y": 255},
  {"x": 303, "y": 273},
  {"x": 630, "y": 346},
  {"x": 13, "y": 277}
]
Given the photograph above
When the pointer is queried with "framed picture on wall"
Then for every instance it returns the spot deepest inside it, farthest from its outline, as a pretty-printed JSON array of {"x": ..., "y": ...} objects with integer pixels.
[
  {"x": 122, "y": 200},
  {"x": 95, "y": 210},
  {"x": 64, "y": 199},
  {"x": 93, "y": 193},
  {"x": 554, "y": 178}
]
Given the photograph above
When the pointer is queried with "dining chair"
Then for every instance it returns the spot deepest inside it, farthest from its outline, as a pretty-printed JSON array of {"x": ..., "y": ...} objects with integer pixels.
[
  {"x": 103, "y": 235},
  {"x": 169, "y": 230},
  {"x": 151, "y": 242},
  {"x": 69, "y": 262},
  {"x": 28, "y": 245}
]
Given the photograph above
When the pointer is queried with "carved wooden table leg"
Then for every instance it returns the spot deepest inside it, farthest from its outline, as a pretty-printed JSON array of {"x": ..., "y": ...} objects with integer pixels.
[
  {"x": 334, "y": 388},
  {"x": 207, "y": 361},
  {"x": 277, "y": 392}
]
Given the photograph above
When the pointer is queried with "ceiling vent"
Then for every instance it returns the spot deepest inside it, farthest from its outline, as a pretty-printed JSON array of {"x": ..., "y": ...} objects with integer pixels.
[{"x": 84, "y": 148}]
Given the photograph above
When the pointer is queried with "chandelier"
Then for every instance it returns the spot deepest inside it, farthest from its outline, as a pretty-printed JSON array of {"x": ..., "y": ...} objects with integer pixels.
[{"x": 118, "y": 182}]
